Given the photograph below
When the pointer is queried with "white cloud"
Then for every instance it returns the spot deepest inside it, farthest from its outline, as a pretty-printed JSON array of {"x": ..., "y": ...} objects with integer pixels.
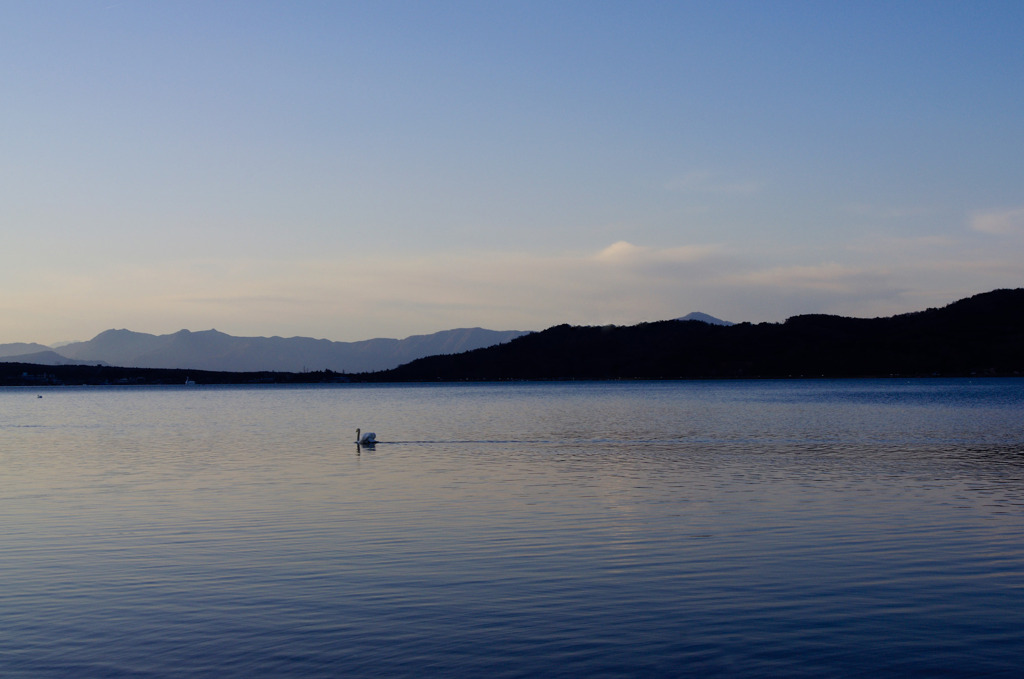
[
  {"x": 999, "y": 222},
  {"x": 621, "y": 251},
  {"x": 624, "y": 252}
]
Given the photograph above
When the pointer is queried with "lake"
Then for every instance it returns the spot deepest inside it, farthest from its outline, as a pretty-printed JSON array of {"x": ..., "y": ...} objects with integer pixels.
[{"x": 749, "y": 528}]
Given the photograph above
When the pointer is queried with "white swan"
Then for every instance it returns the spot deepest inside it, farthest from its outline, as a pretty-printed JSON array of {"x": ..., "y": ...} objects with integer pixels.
[{"x": 367, "y": 439}]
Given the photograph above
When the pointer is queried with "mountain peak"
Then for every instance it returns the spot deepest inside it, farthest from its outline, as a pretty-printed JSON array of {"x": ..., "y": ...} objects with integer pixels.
[{"x": 703, "y": 318}]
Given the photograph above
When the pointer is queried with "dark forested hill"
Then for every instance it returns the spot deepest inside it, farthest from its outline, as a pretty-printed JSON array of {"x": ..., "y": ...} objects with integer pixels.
[{"x": 981, "y": 335}]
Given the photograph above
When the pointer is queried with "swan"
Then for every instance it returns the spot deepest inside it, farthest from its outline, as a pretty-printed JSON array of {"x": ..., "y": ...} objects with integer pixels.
[{"x": 367, "y": 439}]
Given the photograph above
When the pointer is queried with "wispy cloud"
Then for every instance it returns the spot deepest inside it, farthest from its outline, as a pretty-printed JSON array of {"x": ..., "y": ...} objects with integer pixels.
[
  {"x": 623, "y": 252},
  {"x": 999, "y": 222},
  {"x": 829, "y": 277}
]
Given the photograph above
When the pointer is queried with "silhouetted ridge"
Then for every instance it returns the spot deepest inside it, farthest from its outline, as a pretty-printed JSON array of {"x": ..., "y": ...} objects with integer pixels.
[{"x": 981, "y": 335}]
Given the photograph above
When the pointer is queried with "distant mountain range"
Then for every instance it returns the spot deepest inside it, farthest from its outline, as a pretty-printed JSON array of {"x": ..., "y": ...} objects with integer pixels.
[
  {"x": 982, "y": 335},
  {"x": 217, "y": 351},
  {"x": 22, "y": 349},
  {"x": 45, "y": 357}
]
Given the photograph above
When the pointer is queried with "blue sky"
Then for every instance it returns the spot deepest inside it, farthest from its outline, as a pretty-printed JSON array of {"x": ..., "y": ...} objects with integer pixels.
[{"x": 355, "y": 170}]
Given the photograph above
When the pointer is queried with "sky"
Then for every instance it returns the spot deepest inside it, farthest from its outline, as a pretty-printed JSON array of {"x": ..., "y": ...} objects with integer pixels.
[{"x": 349, "y": 170}]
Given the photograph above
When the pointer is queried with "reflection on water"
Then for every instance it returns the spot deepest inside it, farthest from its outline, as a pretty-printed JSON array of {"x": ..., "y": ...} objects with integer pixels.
[{"x": 634, "y": 529}]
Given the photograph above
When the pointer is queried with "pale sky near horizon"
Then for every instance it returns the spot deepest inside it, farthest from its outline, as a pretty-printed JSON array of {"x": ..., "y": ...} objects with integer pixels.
[{"x": 350, "y": 170}]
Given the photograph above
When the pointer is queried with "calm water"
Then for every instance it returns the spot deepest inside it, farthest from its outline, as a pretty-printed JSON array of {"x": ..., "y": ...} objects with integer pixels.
[{"x": 848, "y": 528}]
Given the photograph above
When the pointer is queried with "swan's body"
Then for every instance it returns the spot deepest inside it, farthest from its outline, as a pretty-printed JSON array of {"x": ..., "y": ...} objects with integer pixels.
[{"x": 367, "y": 439}]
